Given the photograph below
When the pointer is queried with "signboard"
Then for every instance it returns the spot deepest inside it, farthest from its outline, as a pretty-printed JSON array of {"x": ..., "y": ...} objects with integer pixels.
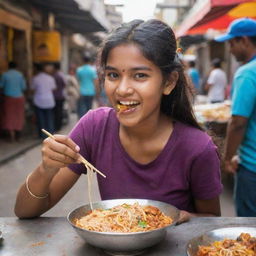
[{"x": 46, "y": 46}]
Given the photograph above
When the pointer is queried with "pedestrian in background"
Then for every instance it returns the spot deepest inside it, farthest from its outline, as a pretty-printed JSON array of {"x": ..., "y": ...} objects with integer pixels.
[
  {"x": 149, "y": 144},
  {"x": 194, "y": 76},
  {"x": 87, "y": 79},
  {"x": 13, "y": 84},
  {"x": 59, "y": 96},
  {"x": 73, "y": 90},
  {"x": 240, "y": 146},
  {"x": 43, "y": 85},
  {"x": 216, "y": 83}
]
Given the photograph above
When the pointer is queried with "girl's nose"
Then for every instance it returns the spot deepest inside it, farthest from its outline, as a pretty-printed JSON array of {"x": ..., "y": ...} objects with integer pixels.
[{"x": 124, "y": 88}]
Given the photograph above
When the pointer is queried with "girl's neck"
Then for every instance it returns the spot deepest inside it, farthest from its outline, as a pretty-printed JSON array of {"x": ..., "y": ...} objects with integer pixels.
[{"x": 147, "y": 130}]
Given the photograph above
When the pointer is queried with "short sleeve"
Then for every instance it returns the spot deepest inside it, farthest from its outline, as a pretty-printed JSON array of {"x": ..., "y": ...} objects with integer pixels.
[
  {"x": 211, "y": 78},
  {"x": 94, "y": 73},
  {"x": 206, "y": 175},
  {"x": 82, "y": 135},
  {"x": 244, "y": 96}
]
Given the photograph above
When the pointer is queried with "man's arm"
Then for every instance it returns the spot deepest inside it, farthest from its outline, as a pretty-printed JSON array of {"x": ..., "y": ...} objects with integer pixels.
[
  {"x": 235, "y": 134},
  {"x": 207, "y": 87}
]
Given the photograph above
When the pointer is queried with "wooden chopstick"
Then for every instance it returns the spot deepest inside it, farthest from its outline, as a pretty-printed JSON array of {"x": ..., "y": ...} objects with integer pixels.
[{"x": 81, "y": 158}]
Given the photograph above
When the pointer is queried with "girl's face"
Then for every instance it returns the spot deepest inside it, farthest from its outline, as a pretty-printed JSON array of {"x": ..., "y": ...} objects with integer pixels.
[{"x": 134, "y": 84}]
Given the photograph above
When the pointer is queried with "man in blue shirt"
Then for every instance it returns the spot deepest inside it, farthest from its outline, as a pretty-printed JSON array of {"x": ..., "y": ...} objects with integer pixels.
[
  {"x": 241, "y": 131},
  {"x": 13, "y": 84},
  {"x": 87, "y": 78},
  {"x": 194, "y": 76}
]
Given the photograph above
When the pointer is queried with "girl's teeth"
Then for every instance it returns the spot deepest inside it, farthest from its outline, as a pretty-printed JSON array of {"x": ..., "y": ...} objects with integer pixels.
[{"x": 128, "y": 102}]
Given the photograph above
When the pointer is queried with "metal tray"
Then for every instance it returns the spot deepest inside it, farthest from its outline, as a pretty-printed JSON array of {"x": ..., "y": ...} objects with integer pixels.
[{"x": 217, "y": 235}]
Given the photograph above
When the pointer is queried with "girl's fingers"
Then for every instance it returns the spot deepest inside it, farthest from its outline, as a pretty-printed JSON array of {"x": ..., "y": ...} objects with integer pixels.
[
  {"x": 66, "y": 147},
  {"x": 62, "y": 158},
  {"x": 184, "y": 217},
  {"x": 67, "y": 141}
]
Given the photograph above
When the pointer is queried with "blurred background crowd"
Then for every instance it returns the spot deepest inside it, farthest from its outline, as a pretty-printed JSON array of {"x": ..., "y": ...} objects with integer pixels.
[
  {"x": 48, "y": 59},
  {"x": 48, "y": 54}
]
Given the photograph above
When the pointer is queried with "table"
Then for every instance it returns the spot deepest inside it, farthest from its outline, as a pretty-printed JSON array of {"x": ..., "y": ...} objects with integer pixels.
[{"x": 54, "y": 236}]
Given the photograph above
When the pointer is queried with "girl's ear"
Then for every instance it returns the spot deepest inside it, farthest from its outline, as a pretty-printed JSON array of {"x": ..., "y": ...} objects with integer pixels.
[{"x": 171, "y": 82}]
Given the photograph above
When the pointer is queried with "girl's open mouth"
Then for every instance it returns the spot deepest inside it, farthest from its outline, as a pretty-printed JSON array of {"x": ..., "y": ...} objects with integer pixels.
[{"x": 123, "y": 106}]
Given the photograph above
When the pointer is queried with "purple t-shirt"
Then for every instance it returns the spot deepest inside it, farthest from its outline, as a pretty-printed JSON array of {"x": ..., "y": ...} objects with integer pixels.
[{"x": 188, "y": 167}]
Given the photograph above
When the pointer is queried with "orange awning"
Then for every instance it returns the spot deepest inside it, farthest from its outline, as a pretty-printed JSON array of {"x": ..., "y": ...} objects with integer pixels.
[
  {"x": 221, "y": 23},
  {"x": 215, "y": 14}
]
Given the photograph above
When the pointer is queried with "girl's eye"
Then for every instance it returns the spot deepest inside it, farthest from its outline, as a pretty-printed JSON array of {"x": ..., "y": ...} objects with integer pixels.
[
  {"x": 112, "y": 75},
  {"x": 140, "y": 76}
]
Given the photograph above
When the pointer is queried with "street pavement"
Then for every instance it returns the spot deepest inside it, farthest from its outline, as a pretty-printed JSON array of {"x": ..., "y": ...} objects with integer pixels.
[{"x": 14, "y": 171}]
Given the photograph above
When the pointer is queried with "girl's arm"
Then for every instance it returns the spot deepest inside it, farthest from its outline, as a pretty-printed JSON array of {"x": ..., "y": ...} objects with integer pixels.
[
  {"x": 204, "y": 208},
  {"x": 46, "y": 185},
  {"x": 40, "y": 184}
]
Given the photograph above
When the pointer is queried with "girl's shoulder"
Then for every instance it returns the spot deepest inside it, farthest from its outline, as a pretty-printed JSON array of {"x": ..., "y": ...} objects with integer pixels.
[
  {"x": 98, "y": 117},
  {"x": 94, "y": 123},
  {"x": 193, "y": 138}
]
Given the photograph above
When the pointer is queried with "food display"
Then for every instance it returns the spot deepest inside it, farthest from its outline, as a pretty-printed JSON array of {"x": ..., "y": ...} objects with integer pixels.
[
  {"x": 244, "y": 245},
  {"x": 218, "y": 112},
  {"x": 124, "y": 218}
]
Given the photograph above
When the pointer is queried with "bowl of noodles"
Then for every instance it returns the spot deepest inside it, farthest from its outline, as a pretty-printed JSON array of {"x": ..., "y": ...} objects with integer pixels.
[{"x": 123, "y": 226}]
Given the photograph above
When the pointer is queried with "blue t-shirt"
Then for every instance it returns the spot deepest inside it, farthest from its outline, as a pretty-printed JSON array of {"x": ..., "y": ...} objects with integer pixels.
[
  {"x": 195, "y": 78},
  {"x": 13, "y": 83},
  {"x": 244, "y": 104},
  {"x": 86, "y": 75}
]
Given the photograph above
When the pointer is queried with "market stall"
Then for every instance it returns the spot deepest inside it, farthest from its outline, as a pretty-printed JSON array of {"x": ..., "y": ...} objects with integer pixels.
[{"x": 214, "y": 116}]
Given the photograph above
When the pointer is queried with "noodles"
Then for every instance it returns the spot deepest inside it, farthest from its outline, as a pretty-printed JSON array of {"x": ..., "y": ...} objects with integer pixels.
[
  {"x": 124, "y": 218},
  {"x": 244, "y": 245},
  {"x": 89, "y": 181},
  {"x": 121, "y": 108}
]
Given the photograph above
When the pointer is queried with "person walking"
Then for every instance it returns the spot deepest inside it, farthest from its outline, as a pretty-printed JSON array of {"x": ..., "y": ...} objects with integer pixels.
[
  {"x": 87, "y": 79},
  {"x": 194, "y": 76},
  {"x": 43, "y": 85},
  {"x": 73, "y": 90},
  {"x": 59, "y": 96},
  {"x": 14, "y": 85},
  {"x": 216, "y": 83},
  {"x": 240, "y": 146}
]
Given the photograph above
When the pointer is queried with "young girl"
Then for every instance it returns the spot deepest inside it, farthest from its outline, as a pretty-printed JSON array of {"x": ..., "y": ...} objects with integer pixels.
[{"x": 152, "y": 148}]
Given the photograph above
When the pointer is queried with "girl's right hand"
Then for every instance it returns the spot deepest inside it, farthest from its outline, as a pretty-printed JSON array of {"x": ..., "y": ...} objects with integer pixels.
[{"x": 58, "y": 153}]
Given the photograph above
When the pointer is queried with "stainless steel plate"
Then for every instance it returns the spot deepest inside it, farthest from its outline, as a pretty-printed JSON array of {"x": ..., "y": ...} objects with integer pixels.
[{"x": 217, "y": 235}]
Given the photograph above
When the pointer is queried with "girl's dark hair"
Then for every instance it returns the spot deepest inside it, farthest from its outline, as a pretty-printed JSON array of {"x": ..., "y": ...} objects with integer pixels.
[{"x": 157, "y": 43}]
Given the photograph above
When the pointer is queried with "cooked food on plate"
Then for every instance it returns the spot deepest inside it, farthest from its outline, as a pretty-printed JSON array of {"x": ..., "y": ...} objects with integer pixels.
[
  {"x": 124, "y": 218},
  {"x": 244, "y": 245}
]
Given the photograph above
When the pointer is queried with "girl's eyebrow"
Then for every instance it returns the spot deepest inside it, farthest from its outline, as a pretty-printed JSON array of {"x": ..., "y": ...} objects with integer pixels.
[
  {"x": 134, "y": 69},
  {"x": 110, "y": 68}
]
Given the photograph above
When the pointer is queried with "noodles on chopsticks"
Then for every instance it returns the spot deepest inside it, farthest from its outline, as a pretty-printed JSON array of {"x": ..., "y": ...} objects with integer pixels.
[
  {"x": 89, "y": 167},
  {"x": 244, "y": 245},
  {"x": 89, "y": 181},
  {"x": 124, "y": 218}
]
